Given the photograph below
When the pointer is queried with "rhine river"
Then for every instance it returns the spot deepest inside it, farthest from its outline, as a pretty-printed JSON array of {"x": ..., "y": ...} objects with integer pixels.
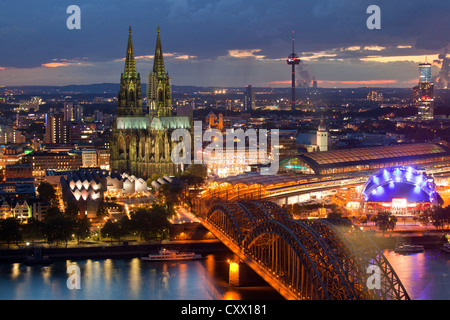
[{"x": 426, "y": 276}]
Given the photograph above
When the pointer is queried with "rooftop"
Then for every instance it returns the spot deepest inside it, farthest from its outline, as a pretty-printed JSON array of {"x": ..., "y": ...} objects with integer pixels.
[
  {"x": 256, "y": 178},
  {"x": 360, "y": 156}
]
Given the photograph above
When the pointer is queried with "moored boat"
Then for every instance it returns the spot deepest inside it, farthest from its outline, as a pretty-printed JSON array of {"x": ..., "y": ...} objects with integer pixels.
[
  {"x": 171, "y": 255},
  {"x": 409, "y": 248}
]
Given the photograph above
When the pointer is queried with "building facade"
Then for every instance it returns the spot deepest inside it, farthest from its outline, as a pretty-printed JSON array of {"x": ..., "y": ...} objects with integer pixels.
[
  {"x": 425, "y": 93},
  {"x": 54, "y": 128},
  {"x": 249, "y": 99},
  {"x": 18, "y": 171},
  {"x": 42, "y": 161},
  {"x": 141, "y": 139}
]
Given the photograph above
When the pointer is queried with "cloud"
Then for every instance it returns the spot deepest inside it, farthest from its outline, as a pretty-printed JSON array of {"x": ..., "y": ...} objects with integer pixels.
[
  {"x": 179, "y": 56},
  {"x": 287, "y": 82},
  {"x": 314, "y": 56},
  {"x": 245, "y": 53},
  {"x": 352, "y": 48},
  {"x": 359, "y": 82},
  {"x": 374, "y": 48},
  {"x": 56, "y": 63},
  {"x": 387, "y": 59}
]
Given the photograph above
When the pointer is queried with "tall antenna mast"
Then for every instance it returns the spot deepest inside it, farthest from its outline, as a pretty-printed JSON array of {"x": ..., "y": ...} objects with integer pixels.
[
  {"x": 293, "y": 41},
  {"x": 293, "y": 60}
]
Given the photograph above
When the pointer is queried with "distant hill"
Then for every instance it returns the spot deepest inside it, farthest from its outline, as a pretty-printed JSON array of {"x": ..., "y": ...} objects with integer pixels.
[
  {"x": 113, "y": 88},
  {"x": 92, "y": 88}
]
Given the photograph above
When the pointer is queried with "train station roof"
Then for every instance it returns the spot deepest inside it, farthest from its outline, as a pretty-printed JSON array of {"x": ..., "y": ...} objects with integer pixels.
[
  {"x": 368, "y": 155},
  {"x": 256, "y": 178}
]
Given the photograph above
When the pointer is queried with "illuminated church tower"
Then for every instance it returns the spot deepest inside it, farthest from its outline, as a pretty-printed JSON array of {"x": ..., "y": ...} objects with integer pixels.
[
  {"x": 130, "y": 97},
  {"x": 322, "y": 137},
  {"x": 159, "y": 96},
  {"x": 141, "y": 142}
]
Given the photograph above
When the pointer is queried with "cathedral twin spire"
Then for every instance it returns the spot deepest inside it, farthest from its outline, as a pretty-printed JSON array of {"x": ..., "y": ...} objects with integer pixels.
[
  {"x": 158, "y": 61},
  {"x": 130, "y": 96},
  {"x": 130, "y": 64},
  {"x": 159, "y": 98}
]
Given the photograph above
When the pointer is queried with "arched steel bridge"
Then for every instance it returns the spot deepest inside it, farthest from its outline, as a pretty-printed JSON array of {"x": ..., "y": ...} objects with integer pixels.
[{"x": 315, "y": 259}]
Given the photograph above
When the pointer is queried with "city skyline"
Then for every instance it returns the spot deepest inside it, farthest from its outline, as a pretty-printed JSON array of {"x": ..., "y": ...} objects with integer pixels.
[{"x": 245, "y": 42}]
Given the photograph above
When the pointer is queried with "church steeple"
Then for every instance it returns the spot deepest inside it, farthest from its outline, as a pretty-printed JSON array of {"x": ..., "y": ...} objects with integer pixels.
[
  {"x": 158, "y": 62},
  {"x": 130, "y": 64},
  {"x": 159, "y": 96},
  {"x": 130, "y": 96}
]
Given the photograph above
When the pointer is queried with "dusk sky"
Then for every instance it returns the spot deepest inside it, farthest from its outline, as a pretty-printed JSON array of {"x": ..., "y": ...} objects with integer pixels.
[{"x": 227, "y": 43}]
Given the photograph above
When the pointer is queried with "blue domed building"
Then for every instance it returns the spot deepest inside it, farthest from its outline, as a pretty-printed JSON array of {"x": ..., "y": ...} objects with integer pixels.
[{"x": 401, "y": 190}]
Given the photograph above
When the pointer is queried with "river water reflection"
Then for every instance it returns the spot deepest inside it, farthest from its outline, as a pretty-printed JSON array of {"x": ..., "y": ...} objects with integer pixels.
[
  {"x": 112, "y": 279},
  {"x": 424, "y": 275}
]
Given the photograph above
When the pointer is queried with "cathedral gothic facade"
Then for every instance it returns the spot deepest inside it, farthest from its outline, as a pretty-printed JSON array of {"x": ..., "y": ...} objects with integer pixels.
[{"x": 141, "y": 142}]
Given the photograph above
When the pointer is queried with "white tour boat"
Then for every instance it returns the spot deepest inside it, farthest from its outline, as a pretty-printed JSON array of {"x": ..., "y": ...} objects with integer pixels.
[
  {"x": 408, "y": 248},
  {"x": 170, "y": 255}
]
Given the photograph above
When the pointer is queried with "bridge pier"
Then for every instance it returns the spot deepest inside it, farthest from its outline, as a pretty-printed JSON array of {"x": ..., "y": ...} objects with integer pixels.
[{"x": 241, "y": 275}]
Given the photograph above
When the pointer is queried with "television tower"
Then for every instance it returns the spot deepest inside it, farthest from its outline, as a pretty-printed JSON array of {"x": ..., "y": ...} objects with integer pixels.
[{"x": 293, "y": 60}]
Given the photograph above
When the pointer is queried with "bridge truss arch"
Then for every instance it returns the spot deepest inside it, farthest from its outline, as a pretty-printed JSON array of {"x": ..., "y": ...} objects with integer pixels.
[{"x": 315, "y": 259}]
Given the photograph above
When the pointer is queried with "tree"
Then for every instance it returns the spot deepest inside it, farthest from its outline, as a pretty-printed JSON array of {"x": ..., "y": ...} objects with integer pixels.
[
  {"x": 10, "y": 231},
  {"x": 423, "y": 217},
  {"x": 48, "y": 193},
  {"x": 82, "y": 229},
  {"x": 194, "y": 176},
  {"x": 102, "y": 211},
  {"x": 109, "y": 229},
  {"x": 113, "y": 230},
  {"x": 71, "y": 209},
  {"x": 53, "y": 211},
  {"x": 150, "y": 223},
  {"x": 385, "y": 221},
  {"x": 125, "y": 225},
  {"x": 33, "y": 230},
  {"x": 59, "y": 228},
  {"x": 171, "y": 192},
  {"x": 197, "y": 170},
  {"x": 337, "y": 216},
  {"x": 439, "y": 216}
]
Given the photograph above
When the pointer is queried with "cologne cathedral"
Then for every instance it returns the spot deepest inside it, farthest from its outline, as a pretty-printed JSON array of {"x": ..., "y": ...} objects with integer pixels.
[{"x": 141, "y": 138}]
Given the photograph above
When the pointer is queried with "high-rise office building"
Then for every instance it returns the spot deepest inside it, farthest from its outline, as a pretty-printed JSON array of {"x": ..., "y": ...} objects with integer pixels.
[
  {"x": 78, "y": 112},
  {"x": 98, "y": 116},
  {"x": 425, "y": 93},
  {"x": 68, "y": 112},
  {"x": 54, "y": 128},
  {"x": 425, "y": 72},
  {"x": 249, "y": 98}
]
